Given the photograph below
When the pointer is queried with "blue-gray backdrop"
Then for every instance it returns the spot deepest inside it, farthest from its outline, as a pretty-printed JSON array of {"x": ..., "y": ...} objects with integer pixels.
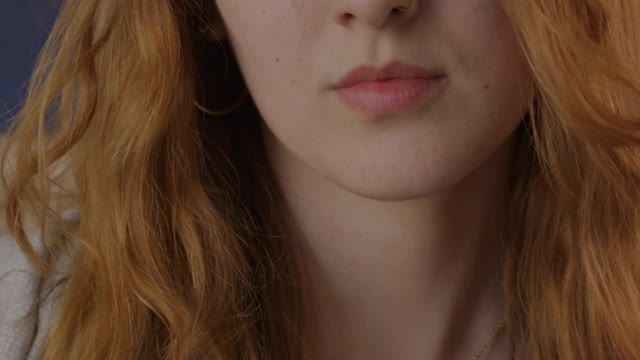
[{"x": 24, "y": 25}]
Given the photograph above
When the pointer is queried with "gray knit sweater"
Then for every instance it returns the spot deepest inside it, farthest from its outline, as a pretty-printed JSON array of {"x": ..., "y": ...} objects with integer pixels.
[{"x": 22, "y": 336}]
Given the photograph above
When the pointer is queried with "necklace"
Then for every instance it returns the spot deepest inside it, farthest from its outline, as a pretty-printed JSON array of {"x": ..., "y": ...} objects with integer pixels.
[{"x": 491, "y": 339}]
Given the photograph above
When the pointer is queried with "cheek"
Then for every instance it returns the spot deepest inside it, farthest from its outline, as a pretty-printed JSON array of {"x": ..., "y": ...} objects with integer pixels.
[
  {"x": 478, "y": 33},
  {"x": 486, "y": 63},
  {"x": 274, "y": 54},
  {"x": 269, "y": 34}
]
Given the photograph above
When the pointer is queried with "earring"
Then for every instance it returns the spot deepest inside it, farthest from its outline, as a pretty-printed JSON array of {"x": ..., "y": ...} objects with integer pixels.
[{"x": 226, "y": 111}]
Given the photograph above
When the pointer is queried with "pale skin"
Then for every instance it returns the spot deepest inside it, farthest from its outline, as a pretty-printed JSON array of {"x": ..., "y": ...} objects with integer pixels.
[{"x": 393, "y": 214}]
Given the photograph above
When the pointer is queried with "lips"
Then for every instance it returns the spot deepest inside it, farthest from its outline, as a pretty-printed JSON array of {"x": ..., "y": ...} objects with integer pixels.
[
  {"x": 393, "y": 88},
  {"x": 393, "y": 70}
]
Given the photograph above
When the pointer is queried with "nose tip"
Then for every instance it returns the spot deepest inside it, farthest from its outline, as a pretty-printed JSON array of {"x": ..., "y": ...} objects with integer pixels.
[{"x": 377, "y": 13}]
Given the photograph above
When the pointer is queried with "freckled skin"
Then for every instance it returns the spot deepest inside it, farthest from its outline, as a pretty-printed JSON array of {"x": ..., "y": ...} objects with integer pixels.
[{"x": 316, "y": 42}]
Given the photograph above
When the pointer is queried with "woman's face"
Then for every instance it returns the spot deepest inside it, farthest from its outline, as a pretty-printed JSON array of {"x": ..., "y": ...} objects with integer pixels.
[{"x": 393, "y": 139}]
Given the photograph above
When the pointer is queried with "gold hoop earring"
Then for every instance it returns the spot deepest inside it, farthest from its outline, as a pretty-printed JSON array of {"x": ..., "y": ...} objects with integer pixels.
[{"x": 226, "y": 111}]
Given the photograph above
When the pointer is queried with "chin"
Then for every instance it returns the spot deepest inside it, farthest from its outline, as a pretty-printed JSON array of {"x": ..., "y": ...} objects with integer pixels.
[{"x": 394, "y": 185}]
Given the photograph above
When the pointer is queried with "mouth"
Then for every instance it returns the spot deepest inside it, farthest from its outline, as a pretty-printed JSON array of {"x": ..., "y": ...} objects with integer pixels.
[{"x": 393, "y": 88}]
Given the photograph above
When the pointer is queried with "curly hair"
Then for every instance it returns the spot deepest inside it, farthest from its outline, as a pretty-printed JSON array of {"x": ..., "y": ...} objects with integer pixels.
[{"x": 181, "y": 249}]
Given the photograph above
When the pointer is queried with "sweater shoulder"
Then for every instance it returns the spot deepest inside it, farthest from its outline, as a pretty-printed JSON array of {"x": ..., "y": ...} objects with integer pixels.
[{"x": 27, "y": 299}]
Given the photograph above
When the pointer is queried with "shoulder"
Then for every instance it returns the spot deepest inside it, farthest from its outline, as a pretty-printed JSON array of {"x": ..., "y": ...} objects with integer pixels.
[
  {"x": 24, "y": 322},
  {"x": 27, "y": 299},
  {"x": 19, "y": 287}
]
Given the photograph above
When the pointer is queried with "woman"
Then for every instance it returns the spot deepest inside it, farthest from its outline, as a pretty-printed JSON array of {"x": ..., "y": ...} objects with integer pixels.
[{"x": 383, "y": 179}]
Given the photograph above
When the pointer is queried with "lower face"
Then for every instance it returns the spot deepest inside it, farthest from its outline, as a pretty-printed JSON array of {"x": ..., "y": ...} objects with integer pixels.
[{"x": 427, "y": 134}]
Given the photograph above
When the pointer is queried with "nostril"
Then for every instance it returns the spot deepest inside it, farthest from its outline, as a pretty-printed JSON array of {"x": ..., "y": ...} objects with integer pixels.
[
  {"x": 348, "y": 16},
  {"x": 400, "y": 10},
  {"x": 345, "y": 18}
]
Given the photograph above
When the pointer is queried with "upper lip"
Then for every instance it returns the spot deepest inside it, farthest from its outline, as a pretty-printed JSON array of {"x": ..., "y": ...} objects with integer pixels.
[{"x": 392, "y": 70}]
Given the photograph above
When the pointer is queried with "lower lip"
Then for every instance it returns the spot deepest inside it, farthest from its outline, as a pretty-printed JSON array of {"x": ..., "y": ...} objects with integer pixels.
[{"x": 379, "y": 98}]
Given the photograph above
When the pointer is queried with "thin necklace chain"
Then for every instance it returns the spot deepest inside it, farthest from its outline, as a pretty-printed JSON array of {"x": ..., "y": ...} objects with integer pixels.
[{"x": 492, "y": 339}]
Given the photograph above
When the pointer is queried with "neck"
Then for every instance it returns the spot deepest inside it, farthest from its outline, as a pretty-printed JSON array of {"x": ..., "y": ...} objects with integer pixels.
[{"x": 417, "y": 278}]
